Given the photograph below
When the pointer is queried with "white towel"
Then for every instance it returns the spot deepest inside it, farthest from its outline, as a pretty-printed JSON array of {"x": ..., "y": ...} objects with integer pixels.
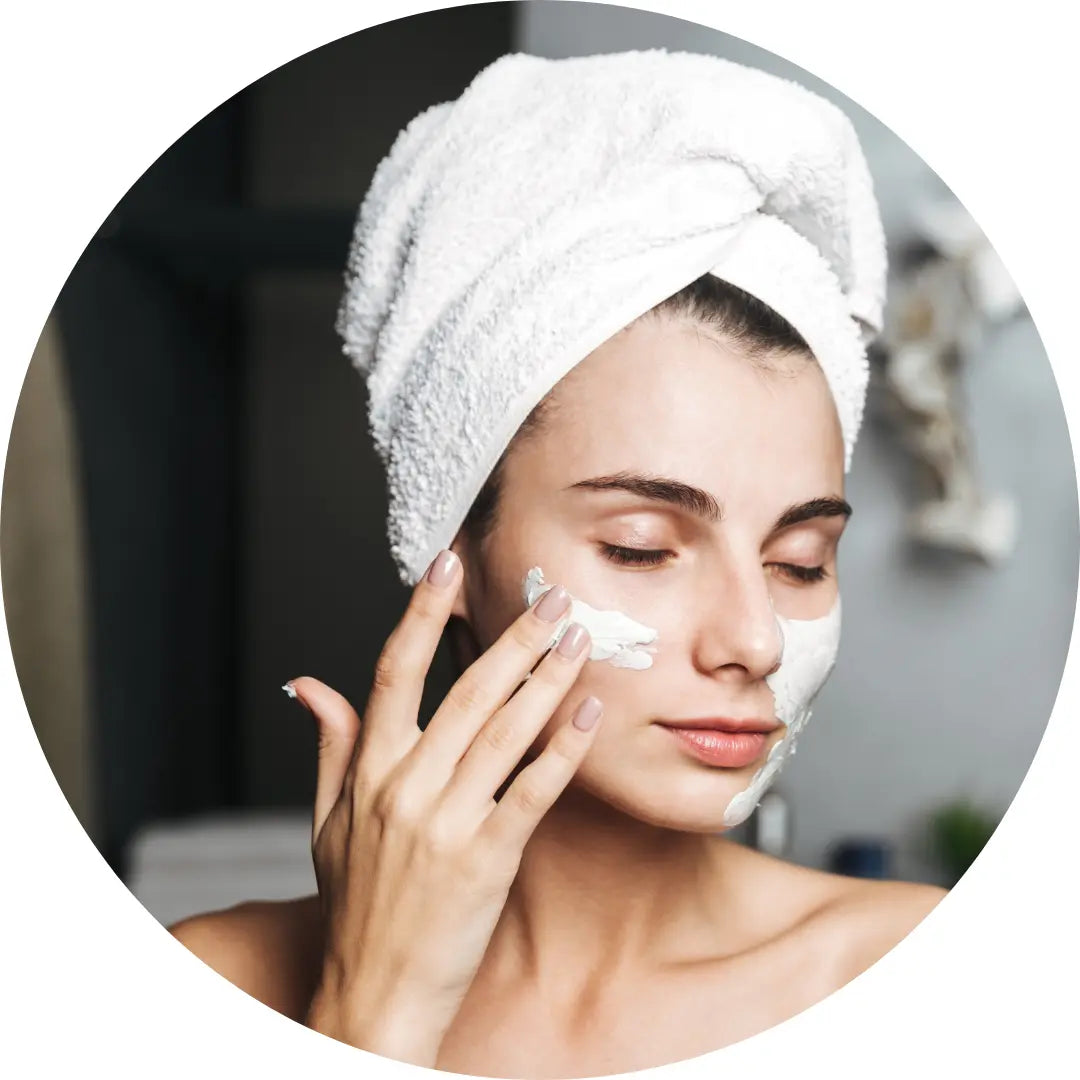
[{"x": 509, "y": 233}]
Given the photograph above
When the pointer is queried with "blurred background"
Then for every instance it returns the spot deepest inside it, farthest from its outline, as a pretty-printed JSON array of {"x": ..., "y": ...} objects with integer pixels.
[{"x": 192, "y": 511}]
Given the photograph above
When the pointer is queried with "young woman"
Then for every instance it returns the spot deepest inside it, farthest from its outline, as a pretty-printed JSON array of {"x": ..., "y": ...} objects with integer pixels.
[{"x": 538, "y": 883}]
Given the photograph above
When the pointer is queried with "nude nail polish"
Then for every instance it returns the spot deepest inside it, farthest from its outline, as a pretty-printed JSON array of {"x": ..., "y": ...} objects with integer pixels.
[
  {"x": 553, "y": 604},
  {"x": 588, "y": 712},
  {"x": 573, "y": 641}
]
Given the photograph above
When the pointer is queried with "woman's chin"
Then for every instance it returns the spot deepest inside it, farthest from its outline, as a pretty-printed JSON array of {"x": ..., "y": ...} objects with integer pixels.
[
  {"x": 658, "y": 780},
  {"x": 670, "y": 795}
]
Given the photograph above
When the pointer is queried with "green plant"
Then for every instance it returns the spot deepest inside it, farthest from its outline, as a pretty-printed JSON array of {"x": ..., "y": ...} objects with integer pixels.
[{"x": 958, "y": 832}]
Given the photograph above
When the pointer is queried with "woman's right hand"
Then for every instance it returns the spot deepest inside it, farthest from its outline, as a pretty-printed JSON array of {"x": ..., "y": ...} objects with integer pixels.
[{"x": 413, "y": 855}]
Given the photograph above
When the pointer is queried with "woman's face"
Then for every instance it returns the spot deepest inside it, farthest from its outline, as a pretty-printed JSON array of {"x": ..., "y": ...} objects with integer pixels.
[{"x": 659, "y": 483}]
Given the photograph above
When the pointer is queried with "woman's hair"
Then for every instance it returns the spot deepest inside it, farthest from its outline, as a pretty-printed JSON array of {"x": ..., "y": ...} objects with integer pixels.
[{"x": 741, "y": 320}]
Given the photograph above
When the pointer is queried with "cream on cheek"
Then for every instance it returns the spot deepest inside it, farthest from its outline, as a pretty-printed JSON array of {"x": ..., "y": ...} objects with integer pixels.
[
  {"x": 616, "y": 637},
  {"x": 809, "y": 654}
]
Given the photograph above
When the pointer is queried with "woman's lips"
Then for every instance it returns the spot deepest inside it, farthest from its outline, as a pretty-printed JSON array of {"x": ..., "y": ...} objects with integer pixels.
[{"x": 736, "y": 744}]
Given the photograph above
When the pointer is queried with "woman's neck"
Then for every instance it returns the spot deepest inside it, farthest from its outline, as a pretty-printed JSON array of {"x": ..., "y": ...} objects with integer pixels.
[{"x": 600, "y": 894}]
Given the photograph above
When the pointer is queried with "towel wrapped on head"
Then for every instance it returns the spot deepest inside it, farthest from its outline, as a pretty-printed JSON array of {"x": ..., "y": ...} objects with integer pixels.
[{"x": 512, "y": 231}]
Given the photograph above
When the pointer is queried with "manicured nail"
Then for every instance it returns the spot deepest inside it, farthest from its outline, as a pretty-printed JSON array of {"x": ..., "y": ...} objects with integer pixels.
[
  {"x": 442, "y": 568},
  {"x": 573, "y": 641},
  {"x": 553, "y": 603},
  {"x": 588, "y": 712},
  {"x": 291, "y": 691}
]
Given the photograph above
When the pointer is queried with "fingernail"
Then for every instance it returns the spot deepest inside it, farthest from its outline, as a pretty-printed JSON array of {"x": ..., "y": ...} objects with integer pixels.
[
  {"x": 442, "y": 568},
  {"x": 588, "y": 712},
  {"x": 553, "y": 603},
  {"x": 291, "y": 691},
  {"x": 573, "y": 641}
]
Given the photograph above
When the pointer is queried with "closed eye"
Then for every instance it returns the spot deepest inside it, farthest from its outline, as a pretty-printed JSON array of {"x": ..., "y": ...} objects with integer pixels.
[
  {"x": 802, "y": 573},
  {"x": 627, "y": 556}
]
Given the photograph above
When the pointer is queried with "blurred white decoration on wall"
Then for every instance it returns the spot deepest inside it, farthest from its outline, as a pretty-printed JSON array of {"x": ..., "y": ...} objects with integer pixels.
[{"x": 938, "y": 316}]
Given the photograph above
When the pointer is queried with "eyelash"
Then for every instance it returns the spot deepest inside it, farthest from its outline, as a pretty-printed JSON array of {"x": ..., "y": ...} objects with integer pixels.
[
  {"x": 635, "y": 556},
  {"x": 804, "y": 573},
  {"x": 627, "y": 556}
]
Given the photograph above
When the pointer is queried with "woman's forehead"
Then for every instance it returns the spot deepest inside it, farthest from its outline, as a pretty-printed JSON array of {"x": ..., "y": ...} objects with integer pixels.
[{"x": 661, "y": 397}]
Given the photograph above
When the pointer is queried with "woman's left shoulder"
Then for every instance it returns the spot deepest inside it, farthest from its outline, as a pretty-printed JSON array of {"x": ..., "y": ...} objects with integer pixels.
[{"x": 864, "y": 918}]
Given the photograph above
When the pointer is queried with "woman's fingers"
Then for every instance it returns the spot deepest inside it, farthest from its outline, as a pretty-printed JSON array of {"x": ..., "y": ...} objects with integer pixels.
[
  {"x": 486, "y": 685},
  {"x": 502, "y": 742},
  {"x": 402, "y": 666},
  {"x": 534, "y": 790},
  {"x": 339, "y": 728}
]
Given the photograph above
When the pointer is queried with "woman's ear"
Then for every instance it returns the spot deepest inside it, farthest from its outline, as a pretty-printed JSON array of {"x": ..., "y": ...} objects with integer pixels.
[
  {"x": 463, "y": 644},
  {"x": 460, "y": 548}
]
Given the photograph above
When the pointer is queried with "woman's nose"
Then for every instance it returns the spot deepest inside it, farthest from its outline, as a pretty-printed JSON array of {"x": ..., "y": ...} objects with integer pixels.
[{"x": 737, "y": 629}]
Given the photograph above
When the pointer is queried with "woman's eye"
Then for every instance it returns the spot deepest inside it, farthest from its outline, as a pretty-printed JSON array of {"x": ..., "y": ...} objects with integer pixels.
[
  {"x": 802, "y": 573},
  {"x": 628, "y": 556}
]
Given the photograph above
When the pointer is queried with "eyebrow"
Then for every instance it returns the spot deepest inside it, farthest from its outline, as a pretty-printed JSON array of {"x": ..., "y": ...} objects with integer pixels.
[{"x": 701, "y": 504}]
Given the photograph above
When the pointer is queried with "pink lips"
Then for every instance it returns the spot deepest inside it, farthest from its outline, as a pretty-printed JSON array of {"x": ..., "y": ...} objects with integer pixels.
[{"x": 722, "y": 741}]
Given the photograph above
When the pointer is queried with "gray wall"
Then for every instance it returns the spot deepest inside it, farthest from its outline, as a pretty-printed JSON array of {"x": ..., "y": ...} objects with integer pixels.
[{"x": 948, "y": 670}]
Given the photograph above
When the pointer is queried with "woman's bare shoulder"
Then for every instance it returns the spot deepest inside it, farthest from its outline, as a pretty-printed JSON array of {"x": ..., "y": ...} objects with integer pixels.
[
  {"x": 842, "y": 924},
  {"x": 270, "y": 949},
  {"x": 864, "y": 918}
]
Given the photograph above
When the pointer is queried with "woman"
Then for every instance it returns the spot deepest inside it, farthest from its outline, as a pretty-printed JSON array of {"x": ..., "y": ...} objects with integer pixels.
[{"x": 637, "y": 490}]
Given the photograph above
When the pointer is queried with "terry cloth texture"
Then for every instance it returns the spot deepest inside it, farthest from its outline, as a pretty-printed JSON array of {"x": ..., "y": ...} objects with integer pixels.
[{"x": 512, "y": 231}]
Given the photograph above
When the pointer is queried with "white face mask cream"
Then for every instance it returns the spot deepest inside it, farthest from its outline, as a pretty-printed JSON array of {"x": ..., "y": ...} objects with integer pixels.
[
  {"x": 615, "y": 637},
  {"x": 809, "y": 654}
]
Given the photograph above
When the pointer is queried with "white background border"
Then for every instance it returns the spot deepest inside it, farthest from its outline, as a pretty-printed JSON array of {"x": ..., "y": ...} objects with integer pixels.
[{"x": 93, "y": 93}]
